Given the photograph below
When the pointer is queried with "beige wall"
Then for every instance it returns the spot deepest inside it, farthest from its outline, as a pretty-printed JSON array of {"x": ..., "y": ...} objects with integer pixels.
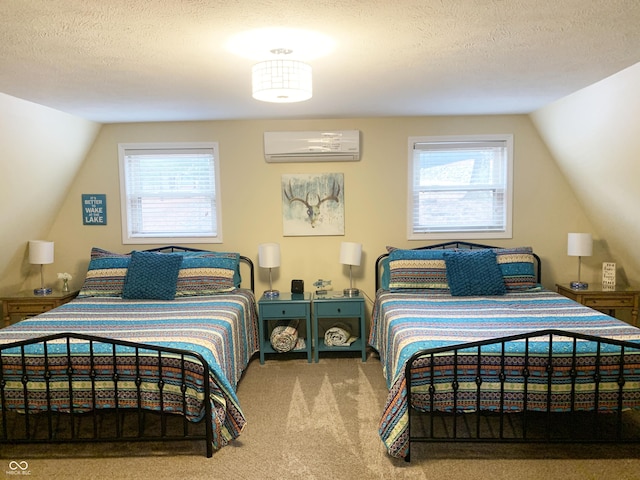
[
  {"x": 545, "y": 208},
  {"x": 49, "y": 159},
  {"x": 41, "y": 151},
  {"x": 594, "y": 137}
]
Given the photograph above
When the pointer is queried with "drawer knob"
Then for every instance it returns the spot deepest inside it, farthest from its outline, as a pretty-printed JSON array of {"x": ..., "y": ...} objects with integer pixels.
[
  {"x": 283, "y": 312},
  {"x": 339, "y": 310}
]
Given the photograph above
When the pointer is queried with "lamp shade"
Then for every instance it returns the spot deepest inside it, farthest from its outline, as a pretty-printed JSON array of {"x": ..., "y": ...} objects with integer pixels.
[
  {"x": 269, "y": 255},
  {"x": 281, "y": 81},
  {"x": 350, "y": 253},
  {"x": 580, "y": 245},
  {"x": 40, "y": 252}
]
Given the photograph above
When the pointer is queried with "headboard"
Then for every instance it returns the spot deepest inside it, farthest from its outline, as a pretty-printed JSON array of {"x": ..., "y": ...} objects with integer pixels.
[
  {"x": 456, "y": 244},
  {"x": 175, "y": 248}
]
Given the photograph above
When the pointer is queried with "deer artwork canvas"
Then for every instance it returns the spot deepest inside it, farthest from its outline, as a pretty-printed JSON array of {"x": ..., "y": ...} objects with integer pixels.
[{"x": 313, "y": 204}]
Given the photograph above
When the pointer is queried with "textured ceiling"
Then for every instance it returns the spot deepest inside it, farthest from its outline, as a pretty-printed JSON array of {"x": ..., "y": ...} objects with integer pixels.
[{"x": 158, "y": 60}]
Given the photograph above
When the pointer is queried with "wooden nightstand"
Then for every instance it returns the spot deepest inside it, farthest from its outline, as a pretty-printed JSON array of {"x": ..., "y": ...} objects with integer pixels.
[
  {"x": 605, "y": 300},
  {"x": 288, "y": 306},
  {"x": 23, "y": 305},
  {"x": 326, "y": 310}
]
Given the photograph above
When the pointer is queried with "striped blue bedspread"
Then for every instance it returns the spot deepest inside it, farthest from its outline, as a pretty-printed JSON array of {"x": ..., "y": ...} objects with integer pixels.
[
  {"x": 405, "y": 323},
  {"x": 222, "y": 328}
]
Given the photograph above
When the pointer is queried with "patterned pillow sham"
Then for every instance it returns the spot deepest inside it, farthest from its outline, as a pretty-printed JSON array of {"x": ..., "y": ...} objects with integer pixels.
[
  {"x": 518, "y": 268},
  {"x": 417, "y": 269},
  {"x": 105, "y": 274},
  {"x": 474, "y": 272},
  {"x": 201, "y": 273},
  {"x": 204, "y": 273},
  {"x": 425, "y": 269}
]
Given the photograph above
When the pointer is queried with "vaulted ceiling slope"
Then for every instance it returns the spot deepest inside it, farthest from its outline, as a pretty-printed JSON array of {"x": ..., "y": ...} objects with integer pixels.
[
  {"x": 156, "y": 60},
  {"x": 593, "y": 136}
]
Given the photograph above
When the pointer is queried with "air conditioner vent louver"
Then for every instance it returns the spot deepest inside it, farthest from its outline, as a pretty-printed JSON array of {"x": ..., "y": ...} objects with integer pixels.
[{"x": 312, "y": 146}]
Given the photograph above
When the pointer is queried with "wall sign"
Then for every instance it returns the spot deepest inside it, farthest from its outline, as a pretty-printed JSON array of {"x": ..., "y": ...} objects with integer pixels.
[
  {"x": 94, "y": 209},
  {"x": 608, "y": 276}
]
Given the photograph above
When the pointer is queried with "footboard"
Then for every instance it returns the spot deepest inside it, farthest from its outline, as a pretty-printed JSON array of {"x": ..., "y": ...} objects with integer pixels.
[
  {"x": 545, "y": 386},
  {"x": 80, "y": 388}
]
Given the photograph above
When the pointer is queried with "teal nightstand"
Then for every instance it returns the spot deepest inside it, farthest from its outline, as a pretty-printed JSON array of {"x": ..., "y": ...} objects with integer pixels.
[
  {"x": 288, "y": 306},
  {"x": 332, "y": 309}
]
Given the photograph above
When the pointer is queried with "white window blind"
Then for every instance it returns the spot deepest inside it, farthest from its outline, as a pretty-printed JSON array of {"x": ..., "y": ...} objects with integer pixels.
[
  {"x": 460, "y": 187},
  {"x": 170, "y": 192}
]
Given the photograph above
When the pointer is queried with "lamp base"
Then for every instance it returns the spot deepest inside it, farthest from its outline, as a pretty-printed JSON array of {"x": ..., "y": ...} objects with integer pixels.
[
  {"x": 579, "y": 285},
  {"x": 271, "y": 293},
  {"x": 42, "y": 291},
  {"x": 351, "y": 292}
]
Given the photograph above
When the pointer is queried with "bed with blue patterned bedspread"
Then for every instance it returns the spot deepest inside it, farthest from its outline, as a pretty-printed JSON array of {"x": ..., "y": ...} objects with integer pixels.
[
  {"x": 221, "y": 327},
  {"x": 404, "y": 323}
]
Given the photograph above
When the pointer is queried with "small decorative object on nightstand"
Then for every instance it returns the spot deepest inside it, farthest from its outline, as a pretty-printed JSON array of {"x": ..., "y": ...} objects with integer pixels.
[
  {"x": 579, "y": 245},
  {"x": 605, "y": 299},
  {"x": 41, "y": 253},
  {"x": 322, "y": 286},
  {"x": 274, "y": 310},
  {"x": 23, "y": 305},
  {"x": 331, "y": 312},
  {"x": 65, "y": 277}
]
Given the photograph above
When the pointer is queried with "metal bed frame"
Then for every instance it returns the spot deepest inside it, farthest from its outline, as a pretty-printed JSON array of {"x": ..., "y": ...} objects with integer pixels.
[
  {"x": 525, "y": 426},
  {"x": 31, "y": 425},
  {"x": 48, "y": 426}
]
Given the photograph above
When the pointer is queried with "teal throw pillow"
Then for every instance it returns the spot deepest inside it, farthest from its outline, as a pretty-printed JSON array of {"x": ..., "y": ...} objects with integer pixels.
[
  {"x": 152, "y": 276},
  {"x": 474, "y": 272}
]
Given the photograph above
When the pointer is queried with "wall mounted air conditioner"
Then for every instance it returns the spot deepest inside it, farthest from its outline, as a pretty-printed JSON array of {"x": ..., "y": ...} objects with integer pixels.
[{"x": 312, "y": 146}]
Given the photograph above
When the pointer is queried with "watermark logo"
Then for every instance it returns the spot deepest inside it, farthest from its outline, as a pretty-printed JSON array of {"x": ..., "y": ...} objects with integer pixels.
[{"x": 18, "y": 468}]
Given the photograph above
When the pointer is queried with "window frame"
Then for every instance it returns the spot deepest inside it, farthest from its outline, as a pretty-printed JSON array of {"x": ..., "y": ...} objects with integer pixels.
[
  {"x": 505, "y": 233},
  {"x": 127, "y": 238}
]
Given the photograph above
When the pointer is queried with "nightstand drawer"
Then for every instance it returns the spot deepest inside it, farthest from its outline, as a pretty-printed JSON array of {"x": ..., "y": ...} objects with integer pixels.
[
  {"x": 608, "y": 301},
  {"x": 280, "y": 310},
  {"x": 335, "y": 309},
  {"x": 31, "y": 308}
]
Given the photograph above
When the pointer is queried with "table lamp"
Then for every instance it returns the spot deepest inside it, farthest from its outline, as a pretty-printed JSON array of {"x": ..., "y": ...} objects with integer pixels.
[
  {"x": 579, "y": 245},
  {"x": 350, "y": 254},
  {"x": 41, "y": 253},
  {"x": 269, "y": 257}
]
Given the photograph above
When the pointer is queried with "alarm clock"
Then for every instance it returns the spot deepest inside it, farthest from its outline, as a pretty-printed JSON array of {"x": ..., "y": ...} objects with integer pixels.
[{"x": 297, "y": 286}]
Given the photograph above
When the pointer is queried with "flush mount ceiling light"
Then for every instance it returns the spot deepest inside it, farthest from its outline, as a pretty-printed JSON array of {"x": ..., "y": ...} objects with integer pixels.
[
  {"x": 282, "y": 74},
  {"x": 282, "y": 80}
]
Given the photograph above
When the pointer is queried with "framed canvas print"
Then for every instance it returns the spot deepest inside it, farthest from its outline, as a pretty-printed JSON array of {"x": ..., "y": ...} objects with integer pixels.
[{"x": 313, "y": 204}]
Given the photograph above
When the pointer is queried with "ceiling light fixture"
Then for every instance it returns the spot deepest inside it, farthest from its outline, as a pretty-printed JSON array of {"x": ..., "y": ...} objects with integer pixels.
[{"x": 281, "y": 80}]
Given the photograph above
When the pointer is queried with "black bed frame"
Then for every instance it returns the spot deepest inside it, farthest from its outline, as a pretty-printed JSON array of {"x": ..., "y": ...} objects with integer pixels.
[
  {"x": 527, "y": 426},
  {"x": 117, "y": 424},
  {"x": 126, "y": 424}
]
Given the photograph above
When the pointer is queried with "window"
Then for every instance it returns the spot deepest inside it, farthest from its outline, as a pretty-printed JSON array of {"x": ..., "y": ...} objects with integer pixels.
[
  {"x": 170, "y": 193},
  {"x": 460, "y": 187}
]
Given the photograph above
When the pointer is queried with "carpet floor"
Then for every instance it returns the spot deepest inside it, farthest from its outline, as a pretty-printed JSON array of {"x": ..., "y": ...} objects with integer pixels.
[{"x": 317, "y": 421}]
